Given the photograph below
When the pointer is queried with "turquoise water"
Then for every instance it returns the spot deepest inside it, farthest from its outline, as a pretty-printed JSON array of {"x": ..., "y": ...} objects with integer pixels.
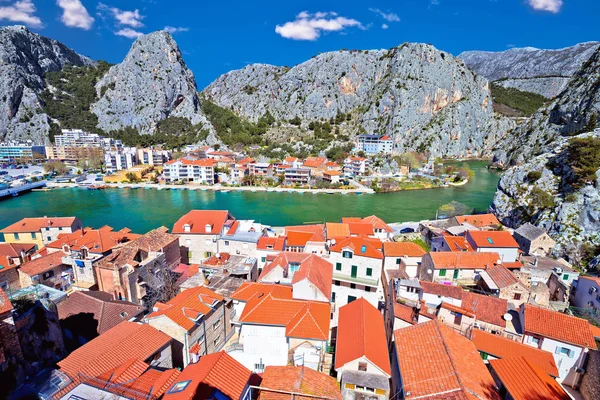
[{"x": 143, "y": 209}]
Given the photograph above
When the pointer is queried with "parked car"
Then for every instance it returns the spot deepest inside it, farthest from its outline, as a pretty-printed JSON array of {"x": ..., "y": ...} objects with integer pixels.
[{"x": 407, "y": 230}]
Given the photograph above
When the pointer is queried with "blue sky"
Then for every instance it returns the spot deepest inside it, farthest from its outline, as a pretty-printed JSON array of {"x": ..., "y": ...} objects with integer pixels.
[{"x": 217, "y": 36}]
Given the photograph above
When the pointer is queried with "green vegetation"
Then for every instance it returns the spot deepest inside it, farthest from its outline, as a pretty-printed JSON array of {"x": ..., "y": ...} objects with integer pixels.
[
  {"x": 584, "y": 159},
  {"x": 453, "y": 209},
  {"x": 540, "y": 199},
  {"x": 533, "y": 176},
  {"x": 76, "y": 92},
  {"x": 524, "y": 102},
  {"x": 56, "y": 166},
  {"x": 339, "y": 153},
  {"x": 231, "y": 129},
  {"x": 421, "y": 242}
]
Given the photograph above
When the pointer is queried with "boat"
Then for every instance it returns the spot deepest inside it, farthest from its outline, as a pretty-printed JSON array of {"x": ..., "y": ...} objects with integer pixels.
[{"x": 41, "y": 190}]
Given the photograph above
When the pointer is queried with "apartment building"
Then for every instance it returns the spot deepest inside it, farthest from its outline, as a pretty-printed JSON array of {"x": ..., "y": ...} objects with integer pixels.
[
  {"x": 10, "y": 152},
  {"x": 355, "y": 166},
  {"x": 187, "y": 170},
  {"x": 150, "y": 156},
  {"x": 373, "y": 144},
  {"x": 120, "y": 159},
  {"x": 297, "y": 176},
  {"x": 40, "y": 230}
]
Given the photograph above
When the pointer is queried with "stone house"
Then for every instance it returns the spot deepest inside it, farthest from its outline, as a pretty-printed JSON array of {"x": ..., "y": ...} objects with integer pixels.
[
  {"x": 11, "y": 356},
  {"x": 533, "y": 240},
  {"x": 499, "y": 281},
  {"x": 47, "y": 269},
  {"x": 198, "y": 320}
]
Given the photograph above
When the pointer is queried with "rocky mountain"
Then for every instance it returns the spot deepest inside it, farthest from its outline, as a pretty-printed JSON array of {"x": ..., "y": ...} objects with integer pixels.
[
  {"x": 545, "y": 72},
  {"x": 25, "y": 57},
  {"x": 425, "y": 99},
  {"x": 574, "y": 111},
  {"x": 151, "y": 84}
]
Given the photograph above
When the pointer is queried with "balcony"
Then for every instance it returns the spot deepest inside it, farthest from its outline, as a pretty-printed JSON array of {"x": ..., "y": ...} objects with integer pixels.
[{"x": 362, "y": 281}]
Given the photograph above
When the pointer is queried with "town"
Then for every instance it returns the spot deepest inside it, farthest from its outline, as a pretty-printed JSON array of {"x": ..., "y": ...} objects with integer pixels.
[
  {"x": 92, "y": 161},
  {"x": 217, "y": 307}
]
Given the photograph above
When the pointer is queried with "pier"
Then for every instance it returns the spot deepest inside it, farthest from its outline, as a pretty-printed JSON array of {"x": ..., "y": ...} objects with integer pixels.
[{"x": 14, "y": 191}]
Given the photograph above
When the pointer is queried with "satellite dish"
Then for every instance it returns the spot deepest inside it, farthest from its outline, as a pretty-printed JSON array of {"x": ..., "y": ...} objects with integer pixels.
[
  {"x": 499, "y": 262},
  {"x": 429, "y": 271},
  {"x": 332, "y": 242},
  {"x": 508, "y": 317},
  {"x": 218, "y": 255}
]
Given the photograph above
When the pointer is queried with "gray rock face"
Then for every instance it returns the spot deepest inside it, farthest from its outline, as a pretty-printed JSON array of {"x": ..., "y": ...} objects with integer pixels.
[
  {"x": 151, "y": 84},
  {"x": 425, "y": 99},
  {"x": 568, "y": 114},
  {"x": 24, "y": 58},
  {"x": 574, "y": 219},
  {"x": 530, "y": 69}
]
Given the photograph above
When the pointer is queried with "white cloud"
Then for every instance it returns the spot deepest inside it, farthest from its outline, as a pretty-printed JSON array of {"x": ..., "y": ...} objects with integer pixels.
[
  {"x": 389, "y": 16},
  {"x": 175, "y": 29},
  {"x": 128, "y": 18},
  {"x": 384, "y": 26},
  {"x": 21, "y": 11},
  {"x": 75, "y": 15},
  {"x": 309, "y": 26},
  {"x": 129, "y": 33},
  {"x": 552, "y": 6}
]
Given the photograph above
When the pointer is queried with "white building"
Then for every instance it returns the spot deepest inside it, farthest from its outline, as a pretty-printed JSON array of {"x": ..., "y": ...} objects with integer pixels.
[
  {"x": 186, "y": 170},
  {"x": 373, "y": 144},
  {"x": 586, "y": 293},
  {"x": 153, "y": 156},
  {"x": 405, "y": 256},
  {"x": 269, "y": 247},
  {"x": 120, "y": 159},
  {"x": 355, "y": 166},
  {"x": 501, "y": 242}
]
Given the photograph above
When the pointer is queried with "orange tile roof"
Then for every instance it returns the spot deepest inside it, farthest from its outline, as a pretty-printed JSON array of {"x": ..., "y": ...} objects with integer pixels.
[
  {"x": 361, "y": 333},
  {"x": 275, "y": 243},
  {"x": 487, "y": 308},
  {"x": 332, "y": 164},
  {"x": 595, "y": 330},
  {"x": 501, "y": 276},
  {"x": 36, "y": 224},
  {"x": 457, "y": 243},
  {"x": 249, "y": 290},
  {"x": 95, "y": 240},
  {"x": 42, "y": 264},
  {"x": 479, "y": 221},
  {"x": 439, "y": 289},
  {"x": 437, "y": 363},
  {"x": 300, "y": 380},
  {"x": 204, "y": 162},
  {"x": 217, "y": 371},
  {"x": 5, "y": 304},
  {"x": 492, "y": 239},
  {"x": 188, "y": 305},
  {"x": 360, "y": 229},
  {"x": 377, "y": 223},
  {"x": 525, "y": 381},
  {"x": 405, "y": 313},
  {"x": 335, "y": 229},
  {"x": 372, "y": 247},
  {"x": 558, "y": 326},
  {"x": 402, "y": 249},
  {"x": 291, "y": 159},
  {"x": 332, "y": 173},
  {"x": 198, "y": 219},
  {"x": 13, "y": 250},
  {"x": 314, "y": 162},
  {"x": 456, "y": 309},
  {"x": 298, "y": 235},
  {"x": 347, "y": 220},
  {"x": 462, "y": 260},
  {"x": 302, "y": 319},
  {"x": 114, "y": 347},
  {"x": 500, "y": 347}
]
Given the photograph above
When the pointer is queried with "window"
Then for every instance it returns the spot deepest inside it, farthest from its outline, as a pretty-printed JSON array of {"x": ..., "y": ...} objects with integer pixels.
[
  {"x": 227, "y": 243},
  {"x": 362, "y": 366},
  {"x": 484, "y": 356},
  {"x": 216, "y": 325},
  {"x": 259, "y": 367},
  {"x": 442, "y": 272},
  {"x": 48, "y": 238},
  {"x": 179, "y": 386},
  {"x": 208, "y": 254},
  {"x": 263, "y": 259},
  {"x": 336, "y": 283},
  {"x": 351, "y": 299},
  {"x": 456, "y": 273},
  {"x": 363, "y": 249},
  {"x": 293, "y": 268},
  {"x": 338, "y": 266},
  {"x": 367, "y": 289},
  {"x": 217, "y": 340},
  {"x": 398, "y": 261},
  {"x": 517, "y": 296},
  {"x": 48, "y": 275},
  {"x": 563, "y": 351},
  {"x": 16, "y": 235},
  {"x": 352, "y": 286},
  {"x": 369, "y": 271},
  {"x": 347, "y": 254},
  {"x": 565, "y": 277},
  {"x": 33, "y": 236},
  {"x": 533, "y": 340}
]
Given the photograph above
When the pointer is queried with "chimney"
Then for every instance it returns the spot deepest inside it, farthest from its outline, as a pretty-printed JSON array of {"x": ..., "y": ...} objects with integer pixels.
[
  {"x": 208, "y": 228},
  {"x": 186, "y": 227}
]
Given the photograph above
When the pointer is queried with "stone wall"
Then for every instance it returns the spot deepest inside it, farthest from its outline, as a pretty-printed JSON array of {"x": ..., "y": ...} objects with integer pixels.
[{"x": 589, "y": 388}]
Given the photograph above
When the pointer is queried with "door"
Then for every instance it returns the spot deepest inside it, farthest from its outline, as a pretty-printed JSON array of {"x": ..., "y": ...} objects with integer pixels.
[
  {"x": 354, "y": 271},
  {"x": 456, "y": 271},
  {"x": 457, "y": 319}
]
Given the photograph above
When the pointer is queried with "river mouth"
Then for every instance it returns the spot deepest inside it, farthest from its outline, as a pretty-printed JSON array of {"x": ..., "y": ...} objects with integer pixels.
[{"x": 142, "y": 210}]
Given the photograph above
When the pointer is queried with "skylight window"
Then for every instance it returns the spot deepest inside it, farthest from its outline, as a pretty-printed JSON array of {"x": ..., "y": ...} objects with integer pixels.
[
  {"x": 363, "y": 249},
  {"x": 490, "y": 241},
  {"x": 179, "y": 386}
]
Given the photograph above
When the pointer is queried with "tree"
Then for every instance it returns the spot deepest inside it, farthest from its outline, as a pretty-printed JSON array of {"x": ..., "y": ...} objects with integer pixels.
[
  {"x": 296, "y": 121},
  {"x": 57, "y": 167},
  {"x": 132, "y": 177},
  {"x": 453, "y": 209},
  {"x": 408, "y": 159},
  {"x": 161, "y": 287},
  {"x": 584, "y": 159}
]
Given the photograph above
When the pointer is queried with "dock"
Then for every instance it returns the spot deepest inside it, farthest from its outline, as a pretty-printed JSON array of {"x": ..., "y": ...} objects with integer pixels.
[{"x": 14, "y": 191}]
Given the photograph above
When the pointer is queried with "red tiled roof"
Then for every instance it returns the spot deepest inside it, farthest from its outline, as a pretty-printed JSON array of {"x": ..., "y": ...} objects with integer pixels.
[
  {"x": 36, "y": 224},
  {"x": 479, "y": 221},
  {"x": 487, "y": 308},
  {"x": 13, "y": 250},
  {"x": 217, "y": 371},
  {"x": 332, "y": 173},
  {"x": 335, "y": 229},
  {"x": 42, "y": 264},
  {"x": 360, "y": 229},
  {"x": 439, "y": 289},
  {"x": 361, "y": 333},
  {"x": 372, "y": 247},
  {"x": 198, "y": 219},
  {"x": 558, "y": 326},
  {"x": 114, "y": 347},
  {"x": 402, "y": 249},
  {"x": 291, "y": 159},
  {"x": 5, "y": 304},
  {"x": 499, "y": 347},
  {"x": 377, "y": 223},
  {"x": 404, "y": 312},
  {"x": 300, "y": 380},
  {"x": 492, "y": 239},
  {"x": 249, "y": 290},
  {"x": 457, "y": 243},
  {"x": 347, "y": 220},
  {"x": 188, "y": 305},
  {"x": 462, "y": 260},
  {"x": 298, "y": 236},
  {"x": 105, "y": 310},
  {"x": 456, "y": 309},
  {"x": 95, "y": 240},
  {"x": 204, "y": 162},
  {"x": 525, "y": 381},
  {"x": 271, "y": 243},
  {"x": 501, "y": 276},
  {"x": 302, "y": 319},
  {"x": 437, "y": 363},
  {"x": 314, "y": 162}
]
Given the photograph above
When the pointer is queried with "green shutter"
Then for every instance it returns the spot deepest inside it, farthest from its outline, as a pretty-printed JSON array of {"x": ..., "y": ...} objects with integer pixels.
[
  {"x": 456, "y": 271},
  {"x": 338, "y": 266},
  {"x": 442, "y": 272},
  {"x": 369, "y": 271}
]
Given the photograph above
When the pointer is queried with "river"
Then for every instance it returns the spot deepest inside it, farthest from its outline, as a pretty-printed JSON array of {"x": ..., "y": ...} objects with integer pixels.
[{"x": 144, "y": 209}]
